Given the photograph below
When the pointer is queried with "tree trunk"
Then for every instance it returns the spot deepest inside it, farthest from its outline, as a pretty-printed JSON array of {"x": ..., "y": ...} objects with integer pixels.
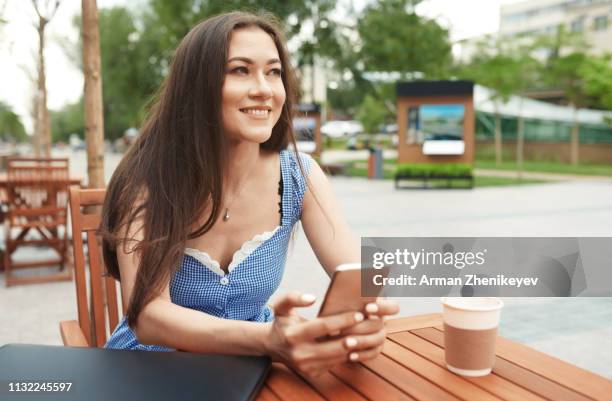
[
  {"x": 520, "y": 141},
  {"x": 94, "y": 121},
  {"x": 312, "y": 80},
  {"x": 520, "y": 146},
  {"x": 575, "y": 140},
  {"x": 498, "y": 137},
  {"x": 42, "y": 141}
]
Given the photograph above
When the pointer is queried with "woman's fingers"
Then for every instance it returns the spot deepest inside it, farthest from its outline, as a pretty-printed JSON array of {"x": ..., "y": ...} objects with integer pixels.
[
  {"x": 382, "y": 307},
  {"x": 368, "y": 326},
  {"x": 283, "y": 306},
  {"x": 323, "y": 326},
  {"x": 338, "y": 349},
  {"x": 360, "y": 356}
]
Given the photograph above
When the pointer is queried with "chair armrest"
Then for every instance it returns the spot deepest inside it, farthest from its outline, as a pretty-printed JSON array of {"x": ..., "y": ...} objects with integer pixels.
[{"x": 72, "y": 335}]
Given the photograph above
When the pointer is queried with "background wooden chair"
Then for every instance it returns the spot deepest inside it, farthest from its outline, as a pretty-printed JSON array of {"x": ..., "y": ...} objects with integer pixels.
[
  {"x": 36, "y": 203},
  {"x": 97, "y": 299}
]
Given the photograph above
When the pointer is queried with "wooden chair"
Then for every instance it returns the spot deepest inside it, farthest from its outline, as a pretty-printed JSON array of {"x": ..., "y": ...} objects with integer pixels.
[
  {"x": 98, "y": 311},
  {"x": 36, "y": 202}
]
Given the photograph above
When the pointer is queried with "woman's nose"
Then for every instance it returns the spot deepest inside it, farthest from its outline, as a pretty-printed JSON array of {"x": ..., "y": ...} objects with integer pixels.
[{"x": 261, "y": 87}]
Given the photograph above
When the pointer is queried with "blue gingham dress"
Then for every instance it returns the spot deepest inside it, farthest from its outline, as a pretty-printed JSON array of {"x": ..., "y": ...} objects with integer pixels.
[{"x": 242, "y": 293}]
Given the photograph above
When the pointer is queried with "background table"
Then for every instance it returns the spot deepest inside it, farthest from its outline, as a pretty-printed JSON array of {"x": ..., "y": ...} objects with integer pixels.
[
  {"x": 412, "y": 368},
  {"x": 74, "y": 180}
]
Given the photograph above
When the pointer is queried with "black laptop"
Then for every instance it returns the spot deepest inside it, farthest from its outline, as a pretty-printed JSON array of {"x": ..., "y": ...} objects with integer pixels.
[{"x": 37, "y": 372}]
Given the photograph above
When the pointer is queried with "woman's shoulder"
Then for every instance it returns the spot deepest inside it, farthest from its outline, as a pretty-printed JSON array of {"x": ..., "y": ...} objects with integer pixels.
[{"x": 299, "y": 163}]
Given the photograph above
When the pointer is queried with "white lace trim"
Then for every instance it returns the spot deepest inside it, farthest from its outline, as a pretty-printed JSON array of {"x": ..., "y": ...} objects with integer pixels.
[{"x": 241, "y": 254}]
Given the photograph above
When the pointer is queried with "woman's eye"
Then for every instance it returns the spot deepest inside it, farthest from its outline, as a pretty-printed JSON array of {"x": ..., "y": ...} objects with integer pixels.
[
  {"x": 240, "y": 70},
  {"x": 276, "y": 71}
]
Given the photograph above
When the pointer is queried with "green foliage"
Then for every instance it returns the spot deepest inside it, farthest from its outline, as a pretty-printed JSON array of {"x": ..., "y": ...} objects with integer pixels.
[
  {"x": 434, "y": 170},
  {"x": 395, "y": 38},
  {"x": 372, "y": 113},
  {"x": 11, "y": 127},
  {"x": 566, "y": 73},
  {"x": 502, "y": 65},
  {"x": 597, "y": 75},
  {"x": 69, "y": 120},
  {"x": 130, "y": 73}
]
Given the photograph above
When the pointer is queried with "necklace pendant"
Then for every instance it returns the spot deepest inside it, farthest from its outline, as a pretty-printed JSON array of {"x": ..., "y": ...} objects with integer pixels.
[{"x": 226, "y": 216}]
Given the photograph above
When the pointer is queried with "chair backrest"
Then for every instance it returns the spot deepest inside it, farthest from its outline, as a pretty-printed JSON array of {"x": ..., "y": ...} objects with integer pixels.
[
  {"x": 98, "y": 302},
  {"x": 37, "y": 190}
]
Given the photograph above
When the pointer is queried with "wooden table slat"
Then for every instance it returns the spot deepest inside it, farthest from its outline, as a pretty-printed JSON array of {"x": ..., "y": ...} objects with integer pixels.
[
  {"x": 289, "y": 387},
  {"x": 413, "y": 322},
  {"x": 408, "y": 381},
  {"x": 412, "y": 368},
  {"x": 369, "y": 384},
  {"x": 580, "y": 380},
  {"x": 436, "y": 374},
  {"x": 494, "y": 384},
  {"x": 335, "y": 389},
  {"x": 525, "y": 378},
  {"x": 265, "y": 394}
]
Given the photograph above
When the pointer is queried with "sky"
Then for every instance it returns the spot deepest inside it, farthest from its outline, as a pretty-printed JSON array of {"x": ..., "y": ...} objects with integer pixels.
[{"x": 19, "y": 41}]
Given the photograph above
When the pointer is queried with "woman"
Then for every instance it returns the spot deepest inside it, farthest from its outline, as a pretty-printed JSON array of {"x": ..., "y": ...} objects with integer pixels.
[{"x": 199, "y": 213}]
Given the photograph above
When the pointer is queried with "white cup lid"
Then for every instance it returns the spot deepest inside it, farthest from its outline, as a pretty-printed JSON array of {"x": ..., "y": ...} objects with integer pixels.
[{"x": 473, "y": 304}]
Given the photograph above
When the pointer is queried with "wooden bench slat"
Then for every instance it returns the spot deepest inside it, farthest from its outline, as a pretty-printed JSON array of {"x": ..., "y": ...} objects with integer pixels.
[
  {"x": 369, "y": 384},
  {"x": 454, "y": 384},
  {"x": 289, "y": 387},
  {"x": 408, "y": 381},
  {"x": 494, "y": 384},
  {"x": 514, "y": 373}
]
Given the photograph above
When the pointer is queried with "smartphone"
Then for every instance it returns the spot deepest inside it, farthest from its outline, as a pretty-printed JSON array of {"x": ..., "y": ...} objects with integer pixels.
[{"x": 344, "y": 291}]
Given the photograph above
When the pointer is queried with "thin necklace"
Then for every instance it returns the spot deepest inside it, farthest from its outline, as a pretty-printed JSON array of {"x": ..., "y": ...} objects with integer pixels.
[{"x": 226, "y": 215}]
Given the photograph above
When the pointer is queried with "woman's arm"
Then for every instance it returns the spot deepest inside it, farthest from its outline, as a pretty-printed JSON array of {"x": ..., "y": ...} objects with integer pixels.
[
  {"x": 164, "y": 323},
  {"x": 324, "y": 224},
  {"x": 288, "y": 339}
]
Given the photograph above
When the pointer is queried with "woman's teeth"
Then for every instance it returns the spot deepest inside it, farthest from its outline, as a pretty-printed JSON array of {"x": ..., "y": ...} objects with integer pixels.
[{"x": 256, "y": 112}]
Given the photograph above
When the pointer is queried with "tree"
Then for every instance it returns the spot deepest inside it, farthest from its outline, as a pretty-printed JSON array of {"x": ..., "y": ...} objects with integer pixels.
[
  {"x": 42, "y": 128},
  {"x": 566, "y": 71},
  {"x": 499, "y": 66},
  {"x": 94, "y": 120},
  {"x": 395, "y": 38},
  {"x": 597, "y": 75},
  {"x": 372, "y": 114},
  {"x": 69, "y": 120},
  {"x": 566, "y": 59},
  {"x": 11, "y": 127}
]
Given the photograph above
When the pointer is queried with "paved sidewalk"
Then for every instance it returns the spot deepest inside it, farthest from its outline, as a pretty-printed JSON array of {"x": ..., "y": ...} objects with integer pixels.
[{"x": 576, "y": 330}]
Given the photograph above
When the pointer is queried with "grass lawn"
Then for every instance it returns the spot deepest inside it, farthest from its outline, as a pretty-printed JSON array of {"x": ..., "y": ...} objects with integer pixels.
[{"x": 549, "y": 167}]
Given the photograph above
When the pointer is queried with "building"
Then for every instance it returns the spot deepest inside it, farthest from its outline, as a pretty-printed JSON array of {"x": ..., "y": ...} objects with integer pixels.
[{"x": 592, "y": 17}]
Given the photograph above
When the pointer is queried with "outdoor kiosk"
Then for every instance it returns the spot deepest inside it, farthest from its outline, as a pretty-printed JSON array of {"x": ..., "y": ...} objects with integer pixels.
[
  {"x": 307, "y": 128},
  {"x": 435, "y": 122}
]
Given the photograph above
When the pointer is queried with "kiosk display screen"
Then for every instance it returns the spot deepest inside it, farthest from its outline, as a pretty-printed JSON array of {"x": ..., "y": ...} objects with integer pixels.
[{"x": 435, "y": 122}]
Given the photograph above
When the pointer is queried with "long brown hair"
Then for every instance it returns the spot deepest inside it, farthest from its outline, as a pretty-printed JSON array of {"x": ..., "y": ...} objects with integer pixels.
[{"x": 176, "y": 166}]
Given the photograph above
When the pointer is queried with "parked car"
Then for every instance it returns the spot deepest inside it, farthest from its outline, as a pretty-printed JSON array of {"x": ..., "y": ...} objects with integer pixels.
[
  {"x": 388, "y": 129},
  {"x": 340, "y": 129}
]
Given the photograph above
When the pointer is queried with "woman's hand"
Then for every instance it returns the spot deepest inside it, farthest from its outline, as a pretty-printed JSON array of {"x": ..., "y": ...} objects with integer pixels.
[
  {"x": 298, "y": 343},
  {"x": 370, "y": 334}
]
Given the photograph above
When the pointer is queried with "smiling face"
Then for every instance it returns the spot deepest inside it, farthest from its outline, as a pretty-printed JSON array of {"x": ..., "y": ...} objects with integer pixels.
[{"x": 253, "y": 93}]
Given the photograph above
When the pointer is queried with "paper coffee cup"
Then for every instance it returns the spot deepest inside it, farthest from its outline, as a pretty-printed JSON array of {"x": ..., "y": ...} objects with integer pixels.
[{"x": 470, "y": 331}]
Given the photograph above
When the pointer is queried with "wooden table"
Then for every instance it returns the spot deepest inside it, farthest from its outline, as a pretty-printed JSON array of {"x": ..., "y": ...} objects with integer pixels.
[{"x": 412, "y": 368}]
